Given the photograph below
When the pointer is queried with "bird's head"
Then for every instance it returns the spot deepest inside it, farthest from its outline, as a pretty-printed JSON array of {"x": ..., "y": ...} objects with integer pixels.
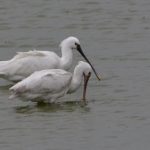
[
  {"x": 70, "y": 42},
  {"x": 86, "y": 69},
  {"x": 74, "y": 44}
]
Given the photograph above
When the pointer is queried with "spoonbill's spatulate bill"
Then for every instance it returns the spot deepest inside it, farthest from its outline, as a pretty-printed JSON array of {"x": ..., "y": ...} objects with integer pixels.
[
  {"x": 25, "y": 63},
  {"x": 48, "y": 85}
]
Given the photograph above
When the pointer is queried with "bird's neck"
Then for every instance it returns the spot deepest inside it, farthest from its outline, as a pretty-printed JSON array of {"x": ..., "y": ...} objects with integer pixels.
[
  {"x": 66, "y": 59},
  {"x": 76, "y": 80}
]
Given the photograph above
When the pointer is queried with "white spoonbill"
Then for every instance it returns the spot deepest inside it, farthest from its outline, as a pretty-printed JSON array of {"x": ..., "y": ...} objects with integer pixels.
[
  {"x": 25, "y": 63},
  {"x": 48, "y": 85}
]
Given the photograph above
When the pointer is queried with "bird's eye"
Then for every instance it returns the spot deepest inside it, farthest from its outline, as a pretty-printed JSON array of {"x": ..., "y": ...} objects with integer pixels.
[{"x": 76, "y": 44}]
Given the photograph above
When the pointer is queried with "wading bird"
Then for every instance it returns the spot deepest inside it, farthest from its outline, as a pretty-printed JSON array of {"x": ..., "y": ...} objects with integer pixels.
[
  {"x": 49, "y": 85},
  {"x": 25, "y": 63}
]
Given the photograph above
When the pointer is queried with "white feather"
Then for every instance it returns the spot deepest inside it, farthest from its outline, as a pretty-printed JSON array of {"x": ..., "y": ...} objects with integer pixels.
[
  {"x": 49, "y": 85},
  {"x": 25, "y": 63}
]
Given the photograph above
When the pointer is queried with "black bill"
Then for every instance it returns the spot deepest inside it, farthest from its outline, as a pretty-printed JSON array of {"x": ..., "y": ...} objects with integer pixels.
[{"x": 81, "y": 52}]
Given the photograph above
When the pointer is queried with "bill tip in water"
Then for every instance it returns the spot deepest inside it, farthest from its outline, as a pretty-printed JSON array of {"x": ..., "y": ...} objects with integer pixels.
[{"x": 99, "y": 78}]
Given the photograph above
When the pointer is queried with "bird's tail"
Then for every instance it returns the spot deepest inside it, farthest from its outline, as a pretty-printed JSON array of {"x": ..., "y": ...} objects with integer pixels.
[
  {"x": 3, "y": 63},
  {"x": 13, "y": 93},
  {"x": 12, "y": 96},
  {"x": 3, "y": 66}
]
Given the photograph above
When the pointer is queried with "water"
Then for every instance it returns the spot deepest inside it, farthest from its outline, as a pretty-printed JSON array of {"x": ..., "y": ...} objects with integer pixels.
[{"x": 115, "y": 34}]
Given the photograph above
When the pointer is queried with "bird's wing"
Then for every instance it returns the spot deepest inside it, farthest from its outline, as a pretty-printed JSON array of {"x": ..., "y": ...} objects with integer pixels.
[
  {"x": 25, "y": 63},
  {"x": 51, "y": 81},
  {"x": 55, "y": 81},
  {"x": 29, "y": 53}
]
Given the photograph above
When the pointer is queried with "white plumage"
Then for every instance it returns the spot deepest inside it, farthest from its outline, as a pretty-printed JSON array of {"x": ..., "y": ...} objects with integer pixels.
[
  {"x": 48, "y": 85},
  {"x": 26, "y": 63}
]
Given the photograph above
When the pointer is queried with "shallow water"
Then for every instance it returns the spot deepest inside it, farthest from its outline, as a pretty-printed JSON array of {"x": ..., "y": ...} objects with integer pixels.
[{"x": 115, "y": 35}]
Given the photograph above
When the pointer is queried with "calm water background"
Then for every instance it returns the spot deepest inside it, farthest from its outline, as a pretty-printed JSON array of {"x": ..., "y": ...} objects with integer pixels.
[{"x": 115, "y": 34}]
